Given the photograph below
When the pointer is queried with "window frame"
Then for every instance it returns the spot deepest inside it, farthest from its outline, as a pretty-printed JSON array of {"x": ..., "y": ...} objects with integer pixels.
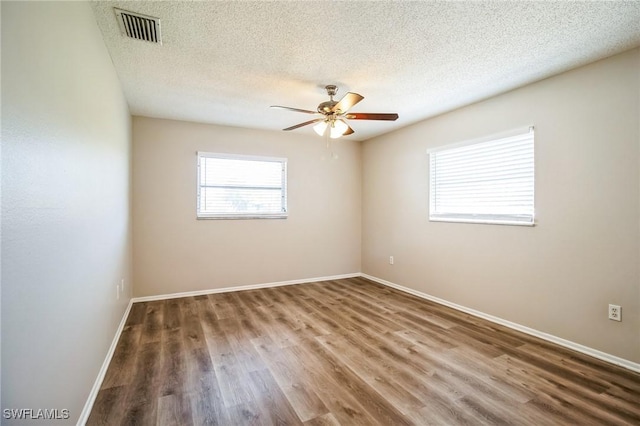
[
  {"x": 481, "y": 218},
  {"x": 250, "y": 215}
]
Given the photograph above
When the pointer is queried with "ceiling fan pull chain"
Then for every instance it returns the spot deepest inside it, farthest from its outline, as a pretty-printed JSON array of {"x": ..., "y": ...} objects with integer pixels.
[
  {"x": 326, "y": 136},
  {"x": 332, "y": 155}
]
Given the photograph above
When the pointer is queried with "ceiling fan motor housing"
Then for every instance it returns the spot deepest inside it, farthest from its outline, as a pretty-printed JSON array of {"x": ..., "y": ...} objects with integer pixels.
[{"x": 326, "y": 107}]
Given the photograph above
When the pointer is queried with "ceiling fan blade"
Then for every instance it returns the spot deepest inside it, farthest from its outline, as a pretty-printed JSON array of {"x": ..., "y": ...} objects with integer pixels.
[
  {"x": 348, "y": 131},
  {"x": 371, "y": 116},
  {"x": 347, "y": 101},
  {"x": 306, "y": 111},
  {"x": 306, "y": 123}
]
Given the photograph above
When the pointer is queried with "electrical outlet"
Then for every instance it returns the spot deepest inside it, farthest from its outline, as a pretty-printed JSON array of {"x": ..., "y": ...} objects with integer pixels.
[
  {"x": 390, "y": 260},
  {"x": 615, "y": 313}
]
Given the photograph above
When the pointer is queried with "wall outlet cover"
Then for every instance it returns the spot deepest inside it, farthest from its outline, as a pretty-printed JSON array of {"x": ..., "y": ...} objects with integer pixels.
[{"x": 615, "y": 312}]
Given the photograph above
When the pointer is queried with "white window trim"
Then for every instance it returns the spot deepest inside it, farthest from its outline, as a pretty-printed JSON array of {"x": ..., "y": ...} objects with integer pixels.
[
  {"x": 502, "y": 135},
  {"x": 481, "y": 219},
  {"x": 282, "y": 160}
]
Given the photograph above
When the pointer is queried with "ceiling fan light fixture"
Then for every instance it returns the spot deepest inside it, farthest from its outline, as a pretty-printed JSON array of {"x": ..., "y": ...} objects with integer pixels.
[
  {"x": 320, "y": 128},
  {"x": 338, "y": 127}
]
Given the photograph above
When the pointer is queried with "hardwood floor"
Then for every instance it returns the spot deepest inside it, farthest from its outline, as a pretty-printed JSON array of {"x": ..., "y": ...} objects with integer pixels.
[{"x": 349, "y": 352}]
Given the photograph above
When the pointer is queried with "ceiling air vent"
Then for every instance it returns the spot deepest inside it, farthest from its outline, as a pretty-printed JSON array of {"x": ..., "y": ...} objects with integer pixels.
[{"x": 140, "y": 27}]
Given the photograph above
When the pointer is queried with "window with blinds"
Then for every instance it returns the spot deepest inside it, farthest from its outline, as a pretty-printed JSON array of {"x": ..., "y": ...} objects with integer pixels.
[
  {"x": 241, "y": 187},
  {"x": 485, "y": 181}
]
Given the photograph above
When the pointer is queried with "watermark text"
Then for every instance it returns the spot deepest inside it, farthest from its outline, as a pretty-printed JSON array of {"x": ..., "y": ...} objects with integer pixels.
[{"x": 35, "y": 414}]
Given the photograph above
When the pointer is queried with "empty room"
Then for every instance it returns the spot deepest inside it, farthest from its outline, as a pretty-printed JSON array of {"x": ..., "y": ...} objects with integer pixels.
[{"x": 320, "y": 213}]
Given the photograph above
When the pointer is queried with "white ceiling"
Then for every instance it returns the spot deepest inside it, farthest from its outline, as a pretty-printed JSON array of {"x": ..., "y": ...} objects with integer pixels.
[{"x": 226, "y": 62}]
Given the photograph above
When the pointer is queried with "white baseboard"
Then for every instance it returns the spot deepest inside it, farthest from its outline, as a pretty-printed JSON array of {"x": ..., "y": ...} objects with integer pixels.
[
  {"x": 621, "y": 362},
  {"x": 243, "y": 287},
  {"x": 86, "y": 411}
]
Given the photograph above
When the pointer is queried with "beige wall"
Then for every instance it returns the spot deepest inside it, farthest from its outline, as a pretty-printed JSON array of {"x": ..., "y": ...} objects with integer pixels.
[
  {"x": 559, "y": 276},
  {"x": 65, "y": 205},
  {"x": 174, "y": 252}
]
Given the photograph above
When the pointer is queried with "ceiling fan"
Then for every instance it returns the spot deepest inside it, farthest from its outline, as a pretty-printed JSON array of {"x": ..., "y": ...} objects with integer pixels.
[{"x": 335, "y": 113}]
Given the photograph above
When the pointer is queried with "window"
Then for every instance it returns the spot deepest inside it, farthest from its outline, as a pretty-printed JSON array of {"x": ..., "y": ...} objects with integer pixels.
[
  {"x": 484, "y": 181},
  {"x": 239, "y": 187}
]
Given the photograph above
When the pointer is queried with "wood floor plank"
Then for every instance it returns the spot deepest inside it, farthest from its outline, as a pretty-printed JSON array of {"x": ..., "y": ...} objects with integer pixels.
[
  {"x": 365, "y": 314},
  {"x": 144, "y": 390},
  {"x": 427, "y": 387},
  {"x": 361, "y": 293},
  {"x": 169, "y": 411},
  {"x": 109, "y": 406},
  {"x": 273, "y": 403},
  {"x": 582, "y": 365},
  {"x": 153, "y": 324},
  {"x": 201, "y": 384},
  {"x": 476, "y": 365},
  {"x": 377, "y": 378},
  {"x": 245, "y": 414},
  {"x": 339, "y": 400},
  {"x": 430, "y": 339},
  {"x": 291, "y": 379},
  {"x": 172, "y": 315},
  {"x": 554, "y": 390},
  {"x": 306, "y": 403},
  {"x": 124, "y": 357},
  {"x": 191, "y": 323},
  {"x": 324, "y": 420},
  {"x": 208, "y": 319},
  {"x": 347, "y": 352},
  {"x": 176, "y": 407},
  {"x": 173, "y": 361},
  {"x": 340, "y": 374},
  {"x": 228, "y": 372},
  {"x": 136, "y": 314}
]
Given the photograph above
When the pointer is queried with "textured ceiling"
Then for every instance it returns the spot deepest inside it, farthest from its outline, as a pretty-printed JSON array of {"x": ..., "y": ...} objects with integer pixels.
[{"x": 225, "y": 62}]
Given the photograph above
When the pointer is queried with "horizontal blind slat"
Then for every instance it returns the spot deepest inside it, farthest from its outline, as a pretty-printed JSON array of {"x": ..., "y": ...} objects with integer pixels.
[
  {"x": 496, "y": 173},
  {"x": 478, "y": 163}
]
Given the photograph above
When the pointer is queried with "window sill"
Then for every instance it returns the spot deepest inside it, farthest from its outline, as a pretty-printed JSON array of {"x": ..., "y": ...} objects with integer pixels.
[
  {"x": 482, "y": 221},
  {"x": 242, "y": 217}
]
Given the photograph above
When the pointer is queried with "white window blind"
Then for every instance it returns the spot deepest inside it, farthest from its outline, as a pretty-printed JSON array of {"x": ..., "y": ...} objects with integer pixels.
[
  {"x": 489, "y": 181},
  {"x": 236, "y": 187}
]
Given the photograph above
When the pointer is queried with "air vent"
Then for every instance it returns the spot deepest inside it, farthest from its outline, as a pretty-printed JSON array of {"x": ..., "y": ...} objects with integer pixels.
[{"x": 140, "y": 27}]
